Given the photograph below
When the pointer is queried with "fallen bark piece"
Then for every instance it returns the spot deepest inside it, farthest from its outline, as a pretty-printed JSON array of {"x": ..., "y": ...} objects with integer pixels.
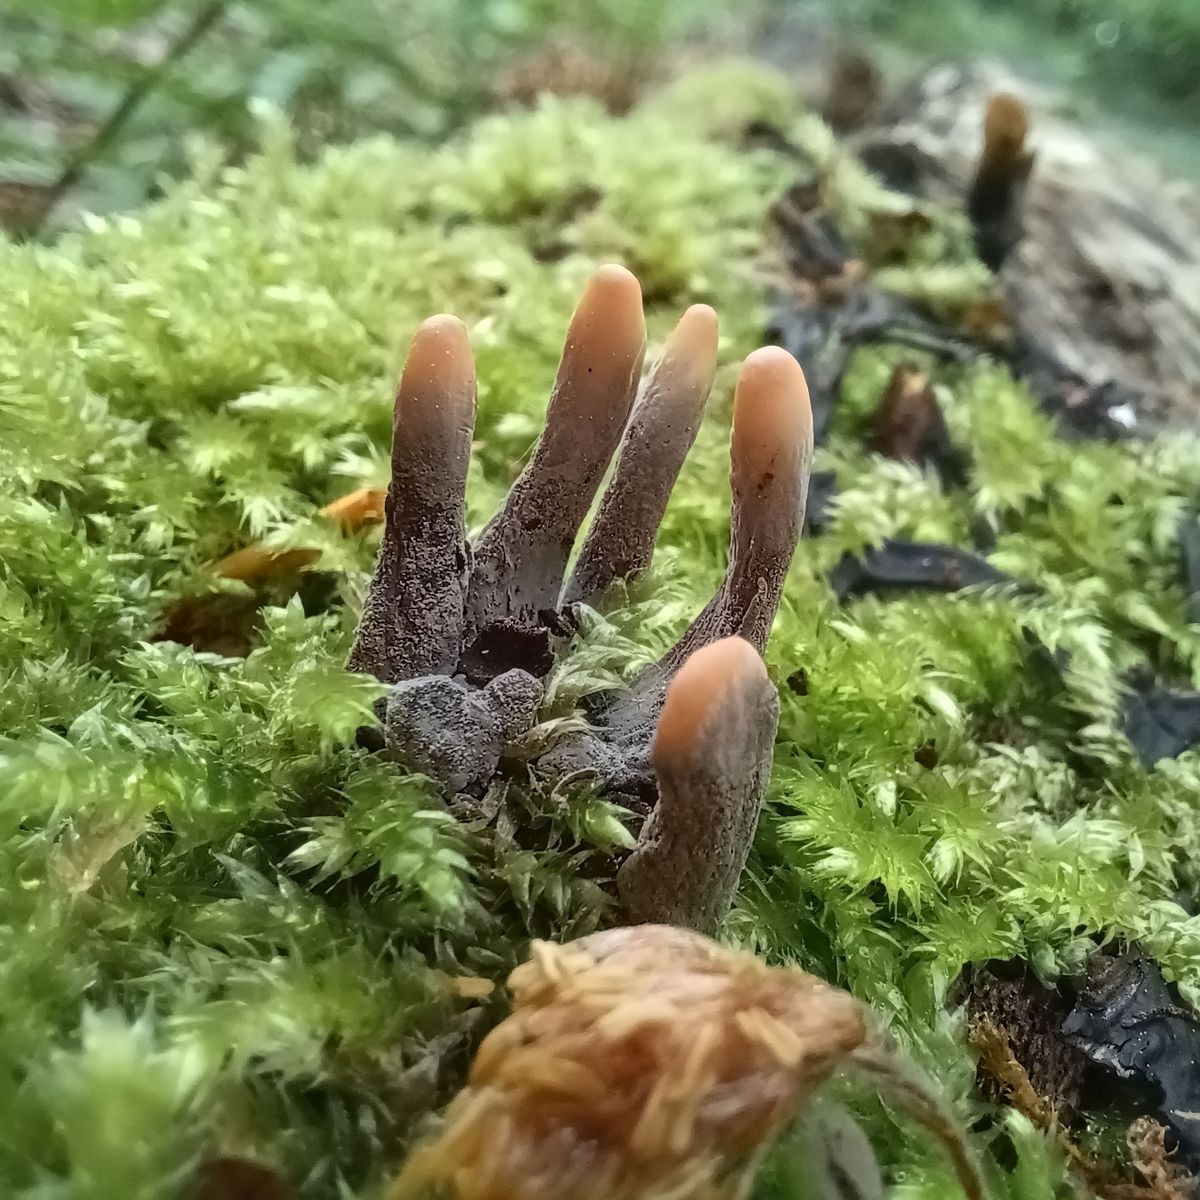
[
  {"x": 1032, "y": 1057},
  {"x": 253, "y": 563},
  {"x": 898, "y": 566},
  {"x": 1015, "y": 1022},
  {"x": 648, "y": 1064},
  {"x": 712, "y": 757},
  {"x": 1160, "y": 722},
  {"x": 1128, "y": 1020}
]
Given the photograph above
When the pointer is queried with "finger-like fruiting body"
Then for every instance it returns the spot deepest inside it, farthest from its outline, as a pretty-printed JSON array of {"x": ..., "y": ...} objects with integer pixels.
[
  {"x": 770, "y": 459},
  {"x": 712, "y": 756},
  {"x": 521, "y": 557},
  {"x": 620, "y": 543},
  {"x": 412, "y": 619},
  {"x": 638, "y": 1064},
  {"x": 995, "y": 201},
  {"x": 455, "y": 734}
]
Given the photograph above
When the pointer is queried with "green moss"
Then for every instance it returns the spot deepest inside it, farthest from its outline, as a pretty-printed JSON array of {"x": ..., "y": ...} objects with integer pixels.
[{"x": 226, "y": 926}]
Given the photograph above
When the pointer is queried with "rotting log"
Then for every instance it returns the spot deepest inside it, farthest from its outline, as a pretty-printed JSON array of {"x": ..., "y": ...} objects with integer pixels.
[{"x": 1103, "y": 279}]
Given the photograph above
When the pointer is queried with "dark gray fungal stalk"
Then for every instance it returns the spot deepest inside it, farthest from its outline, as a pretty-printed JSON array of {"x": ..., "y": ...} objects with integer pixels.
[
  {"x": 413, "y": 615},
  {"x": 620, "y": 543},
  {"x": 712, "y": 756},
  {"x": 521, "y": 557},
  {"x": 462, "y": 637}
]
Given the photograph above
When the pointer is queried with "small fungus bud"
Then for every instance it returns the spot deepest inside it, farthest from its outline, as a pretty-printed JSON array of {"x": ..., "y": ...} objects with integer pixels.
[{"x": 712, "y": 756}]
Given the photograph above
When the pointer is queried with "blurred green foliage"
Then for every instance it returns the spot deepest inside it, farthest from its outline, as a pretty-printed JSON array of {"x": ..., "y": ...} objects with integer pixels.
[
  {"x": 224, "y": 926},
  {"x": 338, "y": 69},
  {"x": 1130, "y": 62},
  {"x": 423, "y": 67}
]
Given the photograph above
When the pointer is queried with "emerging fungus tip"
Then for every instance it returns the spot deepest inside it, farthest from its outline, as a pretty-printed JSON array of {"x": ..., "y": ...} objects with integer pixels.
[
  {"x": 689, "y": 358},
  {"x": 996, "y": 197},
  {"x": 772, "y": 420},
  {"x": 601, "y": 361},
  {"x": 712, "y": 757},
  {"x": 698, "y": 696},
  {"x": 1005, "y": 127},
  {"x": 620, "y": 543},
  {"x": 436, "y": 397},
  {"x": 610, "y": 309}
]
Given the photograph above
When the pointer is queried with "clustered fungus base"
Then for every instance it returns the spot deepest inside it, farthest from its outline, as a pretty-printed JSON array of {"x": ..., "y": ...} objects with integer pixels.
[{"x": 462, "y": 632}]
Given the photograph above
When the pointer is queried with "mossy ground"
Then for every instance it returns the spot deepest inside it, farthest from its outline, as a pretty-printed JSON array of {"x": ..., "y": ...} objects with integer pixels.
[{"x": 224, "y": 928}]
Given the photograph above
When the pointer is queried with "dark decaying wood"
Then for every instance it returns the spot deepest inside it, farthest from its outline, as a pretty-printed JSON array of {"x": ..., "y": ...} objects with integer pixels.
[{"x": 1104, "y": 281}]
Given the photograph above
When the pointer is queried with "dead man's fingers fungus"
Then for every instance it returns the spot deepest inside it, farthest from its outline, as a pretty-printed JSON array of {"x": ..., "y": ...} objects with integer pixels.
[{"x": 712, "y": 759}]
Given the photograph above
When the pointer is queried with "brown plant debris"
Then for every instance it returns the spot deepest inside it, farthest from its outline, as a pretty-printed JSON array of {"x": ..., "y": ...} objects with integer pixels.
[
  {"x": 357, "y": 510},
  {"x": 232, "y": 1178},
  {"x": 909, "y": 425},
  {"x": 647, "y": 1063},
  {"x": 1008, "y": 1007},
  {"x": 564, "y": 68},
  {"x": 854, "y": 89}
]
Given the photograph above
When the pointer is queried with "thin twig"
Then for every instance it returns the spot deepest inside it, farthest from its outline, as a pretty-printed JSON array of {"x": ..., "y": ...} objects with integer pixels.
[{"x": 147, "y": 82}]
